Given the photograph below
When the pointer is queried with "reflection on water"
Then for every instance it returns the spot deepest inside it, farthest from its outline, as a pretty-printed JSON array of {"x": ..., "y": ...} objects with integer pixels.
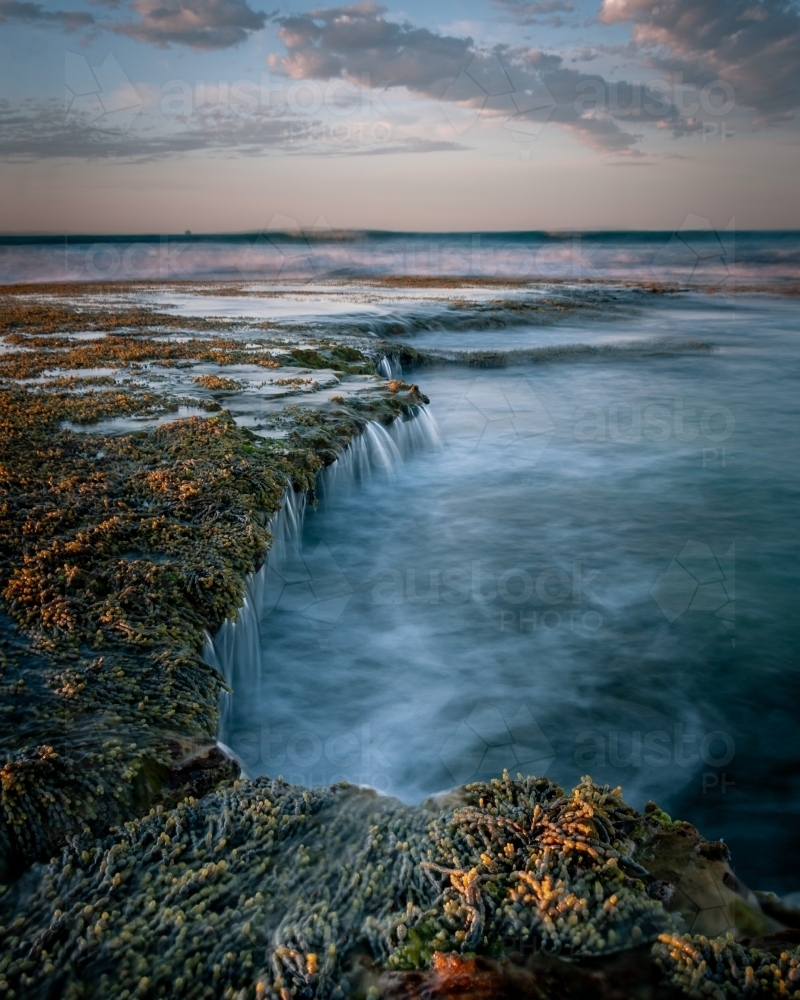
[{"x": 594, "y": 573}]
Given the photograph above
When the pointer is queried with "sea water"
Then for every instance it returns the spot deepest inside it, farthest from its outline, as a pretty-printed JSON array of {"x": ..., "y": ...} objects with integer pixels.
[
  {"x": 697, "y": 251},
  {"x": 589, "y": 565}
]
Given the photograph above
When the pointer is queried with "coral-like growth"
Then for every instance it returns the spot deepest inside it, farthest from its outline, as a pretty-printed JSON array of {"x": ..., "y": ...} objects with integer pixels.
[
  {"x": 720, "y": 968},
  {"x": 217, "y": 383},
  {"x": 524, "y": 866}
]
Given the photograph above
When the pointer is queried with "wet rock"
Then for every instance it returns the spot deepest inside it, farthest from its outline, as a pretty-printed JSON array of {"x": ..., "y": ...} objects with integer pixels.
[
  {"x": 623, "y": 977},
  {"x": 785, "y": 911},
  {"x": 198, "y": 775},
  {"x": 118, "y": 554}
]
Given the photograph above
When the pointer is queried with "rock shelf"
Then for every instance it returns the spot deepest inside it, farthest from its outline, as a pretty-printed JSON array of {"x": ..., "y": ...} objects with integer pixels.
[{"x": 135, "y": 860}]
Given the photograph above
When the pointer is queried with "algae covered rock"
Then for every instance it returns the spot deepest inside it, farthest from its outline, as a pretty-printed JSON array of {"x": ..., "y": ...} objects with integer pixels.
[
  {"x": 278, "y": 891},
  {"x": 264, "y": 889},
  {"x": 721, "y": 968},
  {"x": 118, "y": 552}
]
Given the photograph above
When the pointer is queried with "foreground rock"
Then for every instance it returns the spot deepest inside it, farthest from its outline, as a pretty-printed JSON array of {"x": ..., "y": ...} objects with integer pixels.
[{"x": 263, "y": 889}]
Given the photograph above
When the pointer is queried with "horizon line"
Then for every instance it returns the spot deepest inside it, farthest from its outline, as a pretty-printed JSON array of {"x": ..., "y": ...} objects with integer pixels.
[{"x": 344, "y": 233}]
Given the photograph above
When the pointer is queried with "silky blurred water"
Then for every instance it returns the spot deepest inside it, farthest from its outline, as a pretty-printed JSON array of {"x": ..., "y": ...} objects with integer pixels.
[
  {"x": 595, "y": 572},
  {"x": 696, "y": 252}
]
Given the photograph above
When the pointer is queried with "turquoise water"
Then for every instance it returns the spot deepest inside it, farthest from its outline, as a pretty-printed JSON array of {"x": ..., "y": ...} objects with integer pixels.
[{"x": 595, "y": 571}]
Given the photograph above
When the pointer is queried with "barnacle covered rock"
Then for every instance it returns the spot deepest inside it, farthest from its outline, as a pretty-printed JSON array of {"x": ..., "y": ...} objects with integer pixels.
[{"x": 523, "y": 866}]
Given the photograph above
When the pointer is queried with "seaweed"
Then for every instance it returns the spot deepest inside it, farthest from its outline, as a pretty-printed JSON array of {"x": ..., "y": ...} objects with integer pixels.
[
  {"x": 269, "y": 890},
  {"x": 117, "y": 555}
]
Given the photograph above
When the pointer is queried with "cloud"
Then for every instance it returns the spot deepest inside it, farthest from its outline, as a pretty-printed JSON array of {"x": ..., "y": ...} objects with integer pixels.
[
  {"x": 528, "y": 85},
  {"x": 590, "y": 125},
  {"x": 754, "y": 45},
  {"x": 12, "y": 11},
  {"x": 349, "y": 42},
  {"x": 537, "y": 11},
  {"x": 519, "y": 88},
  {"x": 40, "y": 130},
  {"x": 356, "y": 40},
  {"x": 597, "y": 49},
  {"x": 200, "y": 24},
  {"x": 602, "y": 135}
]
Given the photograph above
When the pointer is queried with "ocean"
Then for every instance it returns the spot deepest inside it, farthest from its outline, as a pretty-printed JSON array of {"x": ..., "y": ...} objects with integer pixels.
[{"x": 696, "y": 253}]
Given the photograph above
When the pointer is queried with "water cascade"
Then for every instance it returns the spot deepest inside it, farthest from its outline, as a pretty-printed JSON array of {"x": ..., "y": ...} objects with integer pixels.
[
  {"x": 390, "y": 367},
  {"x": 235, "y": 651}
]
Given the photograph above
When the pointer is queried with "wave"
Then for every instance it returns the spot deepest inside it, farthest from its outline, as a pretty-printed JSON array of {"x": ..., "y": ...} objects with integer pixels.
[
  {"x": 699, "y": 257},
  {"x": 457, "y": 314},
  {"x": 477, "y": 319}
]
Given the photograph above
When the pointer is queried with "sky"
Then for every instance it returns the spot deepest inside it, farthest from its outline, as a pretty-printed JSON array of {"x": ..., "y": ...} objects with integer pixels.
[{"x": 159, "y": 116}]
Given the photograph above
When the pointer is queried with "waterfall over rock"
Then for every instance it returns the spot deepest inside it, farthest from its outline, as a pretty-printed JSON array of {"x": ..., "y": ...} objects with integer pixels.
[
  {"x": 294, "y": 580},
  {"x": 390, "y": 367}
]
